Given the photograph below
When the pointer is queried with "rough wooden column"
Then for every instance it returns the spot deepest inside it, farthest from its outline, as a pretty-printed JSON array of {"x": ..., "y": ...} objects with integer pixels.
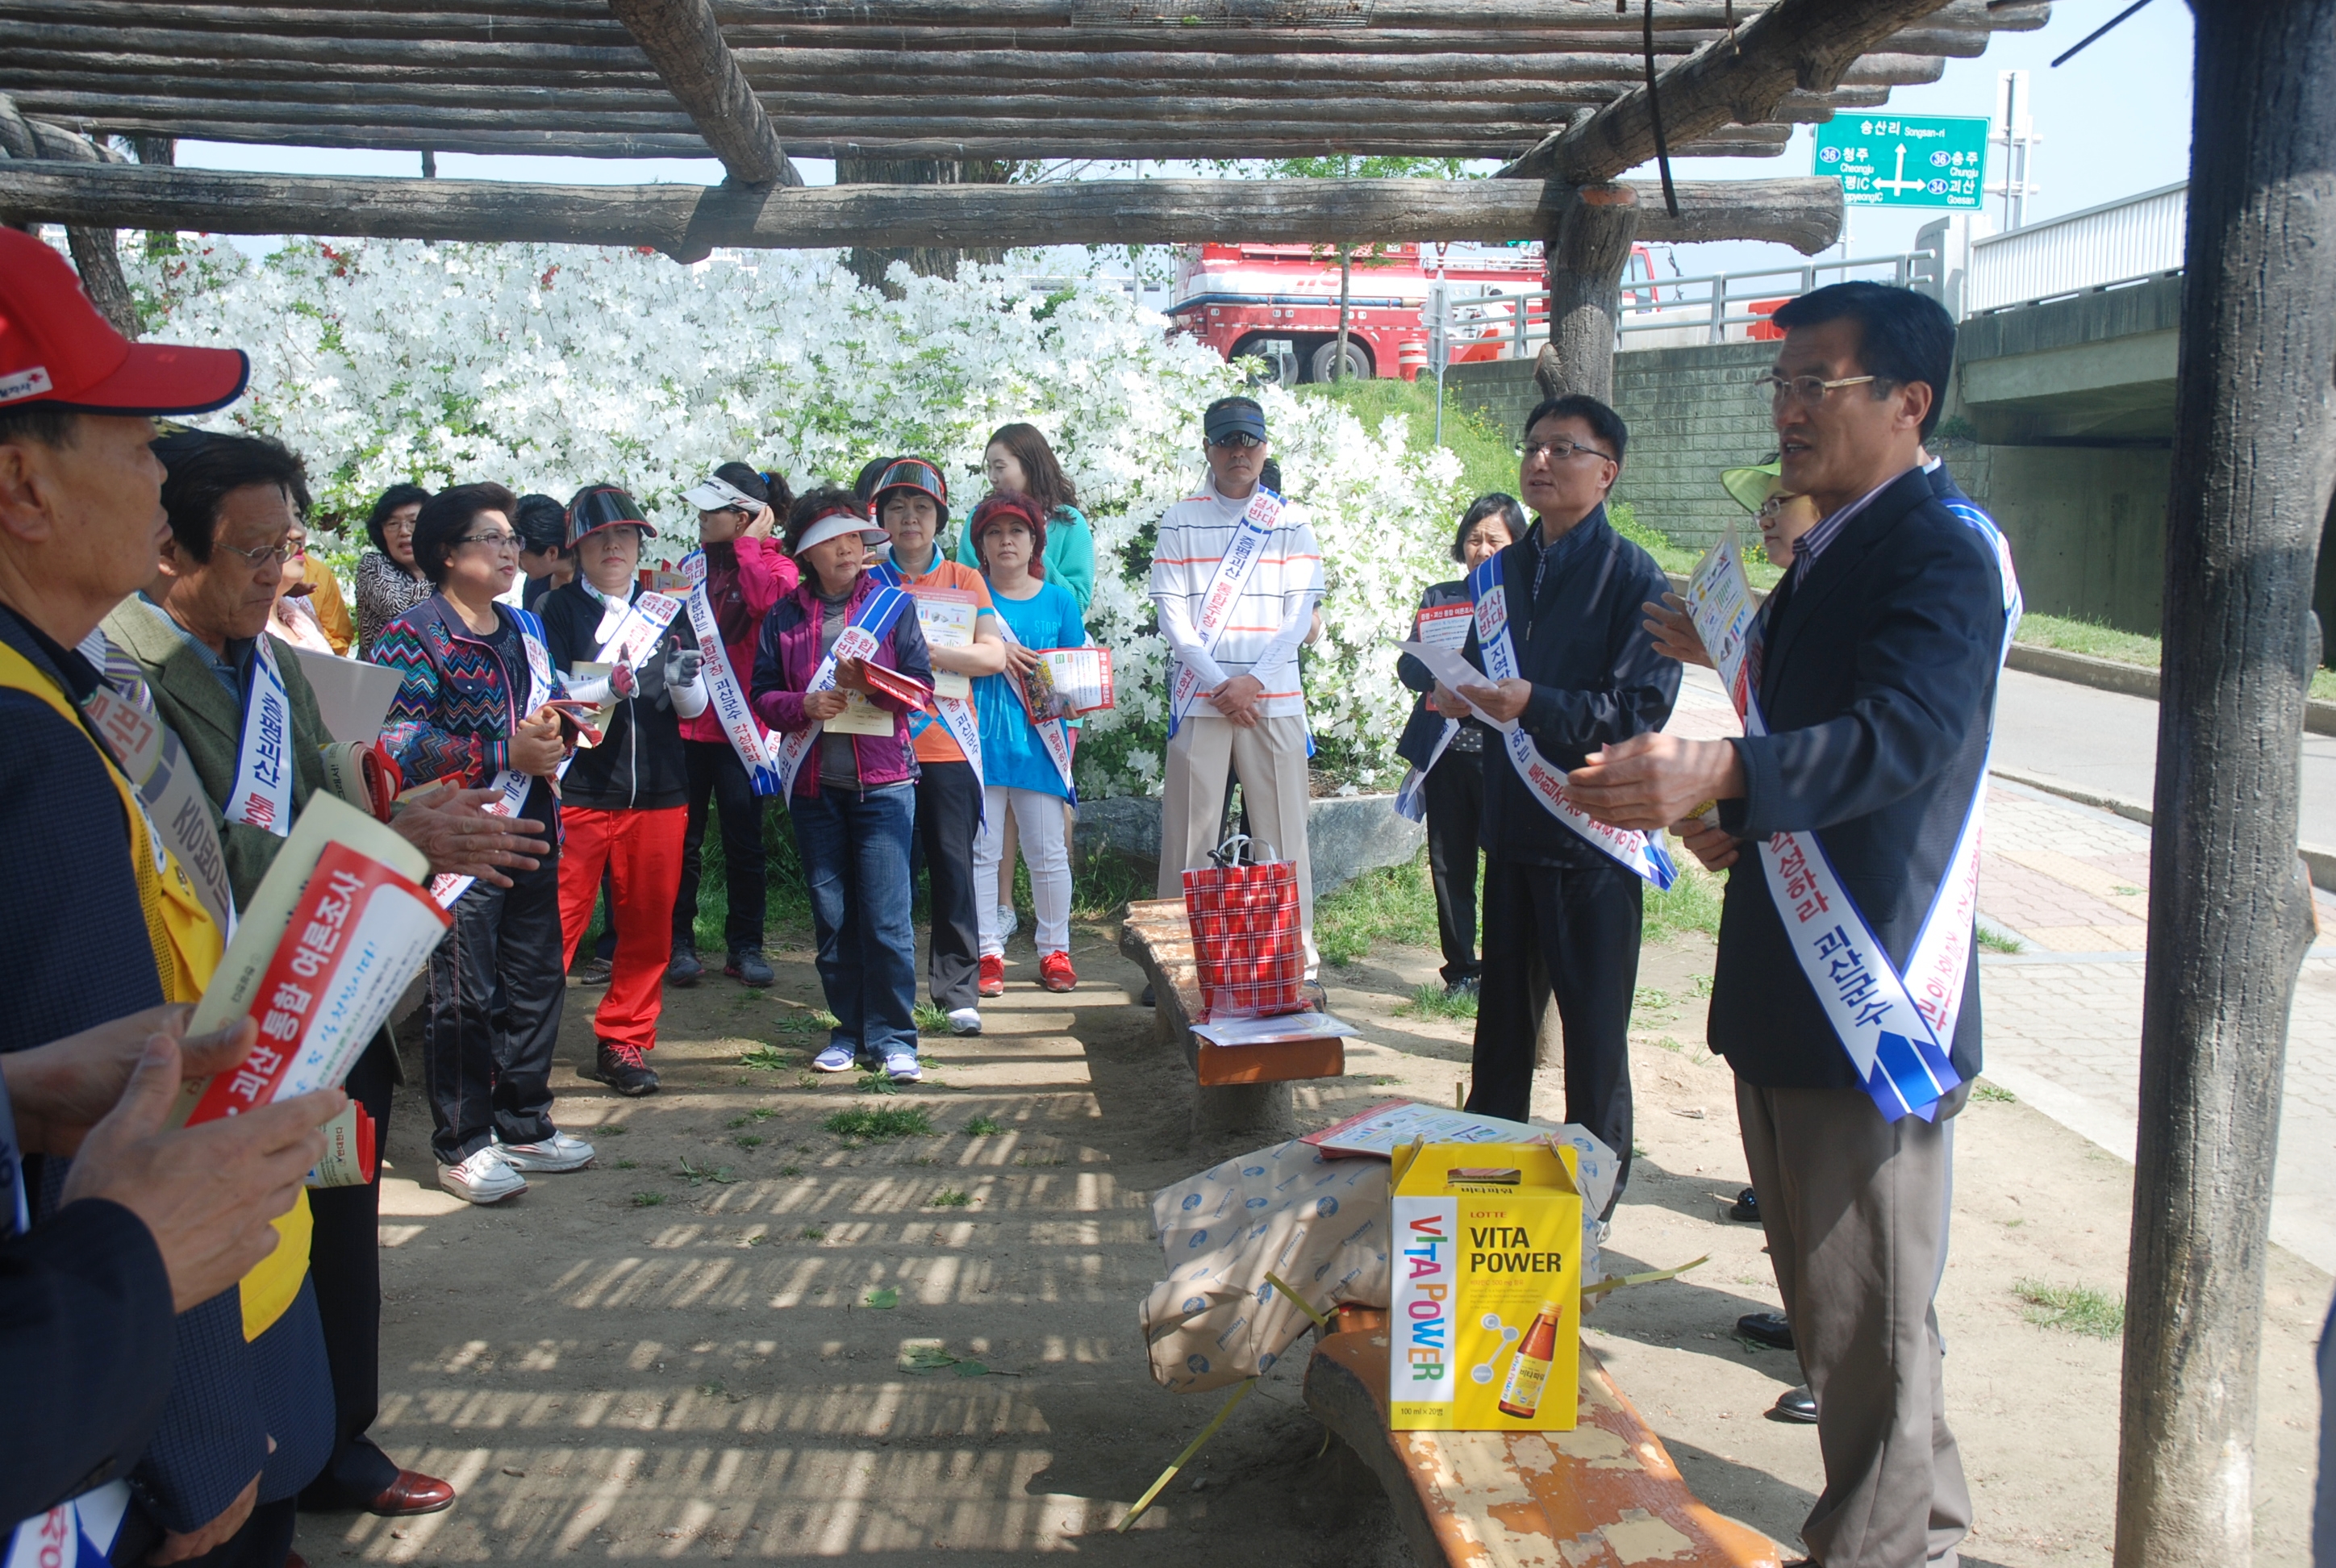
[
  {"x": 93, "y": 253},
  {"x": 685, "y": 43},
  {"x": 2254, "y": 461},
  {"x": 1586, "y": 255},
  {"x": 869, "y": 263}
]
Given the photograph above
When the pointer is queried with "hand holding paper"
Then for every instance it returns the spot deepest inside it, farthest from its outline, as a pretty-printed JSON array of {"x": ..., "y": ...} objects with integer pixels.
[{"x": 61, "y": 1090}]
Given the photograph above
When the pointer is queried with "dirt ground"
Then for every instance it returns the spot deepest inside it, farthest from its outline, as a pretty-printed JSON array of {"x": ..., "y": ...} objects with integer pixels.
[{"x": 695, "y": 1349}]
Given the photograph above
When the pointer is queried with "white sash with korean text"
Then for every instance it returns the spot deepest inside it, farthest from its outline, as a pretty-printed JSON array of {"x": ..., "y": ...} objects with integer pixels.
[
  {"x": 1897, "y": 1030},
  {"x": 511, "y": 785},
  {"x": 860, "y": 640},
  {"x": 1411, "y": 794},
  {"x": 1250, "y": 537},
  {"x": 955, "y": 714},
  {"x": 261, "y": 795},
  {"x": 1641, "y": 854},
  {"x": 724, "y": 690},
  {"x": 1051, "y": 731}
]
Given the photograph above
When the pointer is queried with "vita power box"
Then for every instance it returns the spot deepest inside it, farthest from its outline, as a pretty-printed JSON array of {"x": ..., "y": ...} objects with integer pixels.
[{"x": 1486, "y": 1323}]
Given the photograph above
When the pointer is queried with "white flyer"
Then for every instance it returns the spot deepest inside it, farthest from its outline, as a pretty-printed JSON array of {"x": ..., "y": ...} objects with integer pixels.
[{"x": 946, "y": 616}]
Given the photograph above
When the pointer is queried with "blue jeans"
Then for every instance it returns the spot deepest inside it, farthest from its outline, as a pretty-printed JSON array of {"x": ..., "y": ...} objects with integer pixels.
[{"x": 855, "y": 858}]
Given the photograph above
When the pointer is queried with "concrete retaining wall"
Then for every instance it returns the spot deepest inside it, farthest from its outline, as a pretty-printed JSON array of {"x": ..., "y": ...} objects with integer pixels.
[{"x": 1346, "y": 834}]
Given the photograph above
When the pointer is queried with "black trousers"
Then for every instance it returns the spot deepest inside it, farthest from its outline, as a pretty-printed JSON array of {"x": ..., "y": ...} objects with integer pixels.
[
  {"x": 948, "y": 813},
  {"x": 265, "y": 1541},
  {"x": 717, "y": 775},
  {"x": 489, "y": 1076},
  {"x": 344, "y": 1265},
  {"x": 1581, "y": 927},
  {"x": 1456, "y": 807}
]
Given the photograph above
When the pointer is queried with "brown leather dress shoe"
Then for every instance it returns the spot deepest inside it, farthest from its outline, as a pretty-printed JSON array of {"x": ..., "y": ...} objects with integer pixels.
[{"x": 413, "y": 1493}]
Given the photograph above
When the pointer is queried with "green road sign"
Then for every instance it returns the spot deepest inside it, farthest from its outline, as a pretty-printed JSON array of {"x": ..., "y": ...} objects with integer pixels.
[{"x": 1904, "y": 159}]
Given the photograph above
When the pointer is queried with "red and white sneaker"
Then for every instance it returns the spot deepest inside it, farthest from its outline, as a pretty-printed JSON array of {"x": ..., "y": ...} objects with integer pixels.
[
  {"x": 992, "y": 982},
  {"x": 1056, "y": 974}
]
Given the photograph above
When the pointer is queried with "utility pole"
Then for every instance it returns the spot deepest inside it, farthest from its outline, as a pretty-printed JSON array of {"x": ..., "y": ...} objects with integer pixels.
[{"x": 2018, "y": 139}]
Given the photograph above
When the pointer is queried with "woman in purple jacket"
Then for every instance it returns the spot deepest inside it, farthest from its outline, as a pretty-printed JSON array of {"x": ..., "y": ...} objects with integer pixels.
[{"x": 852, "y": 774}]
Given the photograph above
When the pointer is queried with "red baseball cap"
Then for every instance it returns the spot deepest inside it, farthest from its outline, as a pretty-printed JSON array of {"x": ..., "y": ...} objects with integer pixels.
[{"x": 57, "y": 352}]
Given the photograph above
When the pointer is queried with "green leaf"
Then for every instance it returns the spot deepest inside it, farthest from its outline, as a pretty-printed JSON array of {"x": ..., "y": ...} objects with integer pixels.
[{"x": 884, "y": 1300}]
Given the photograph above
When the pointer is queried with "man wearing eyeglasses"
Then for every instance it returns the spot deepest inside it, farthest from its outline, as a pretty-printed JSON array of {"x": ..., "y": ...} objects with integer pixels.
[
  {"x": 1235, "y": 576},
  {"x": 1875, "y": 687},
  {"x": 1562, "y": 914}
]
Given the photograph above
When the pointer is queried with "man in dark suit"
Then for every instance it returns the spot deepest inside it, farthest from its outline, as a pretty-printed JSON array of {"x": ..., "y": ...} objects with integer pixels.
[
  {"x": 1587, "y": 675},
  {"x": 1876, "y": 680}
]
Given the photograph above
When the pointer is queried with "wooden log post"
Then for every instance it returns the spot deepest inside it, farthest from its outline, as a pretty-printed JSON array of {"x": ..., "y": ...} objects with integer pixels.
[
  {"x": 2229, "y": 916},
  {"x": 685, "y": 43},
  {"x": 869, "y": 263},
  {"x": 93, "y": 247},
  {"x": 1587, "y": 252}
]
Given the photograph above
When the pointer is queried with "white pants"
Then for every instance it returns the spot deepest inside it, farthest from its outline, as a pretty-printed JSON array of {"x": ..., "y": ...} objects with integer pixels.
[{"x": 1038, "y": 818}]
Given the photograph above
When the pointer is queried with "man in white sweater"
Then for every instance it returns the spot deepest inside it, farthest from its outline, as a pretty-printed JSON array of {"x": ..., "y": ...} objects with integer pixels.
[{"x": 1235, "y": 575}]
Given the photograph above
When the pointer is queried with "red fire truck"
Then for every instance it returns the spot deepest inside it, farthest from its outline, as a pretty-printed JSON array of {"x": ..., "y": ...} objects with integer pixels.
[{"x": 1280, "y": 304}]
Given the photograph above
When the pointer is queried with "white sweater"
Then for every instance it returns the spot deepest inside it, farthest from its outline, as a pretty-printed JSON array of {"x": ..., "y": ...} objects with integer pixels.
[{"x": 1269, "y": 621}]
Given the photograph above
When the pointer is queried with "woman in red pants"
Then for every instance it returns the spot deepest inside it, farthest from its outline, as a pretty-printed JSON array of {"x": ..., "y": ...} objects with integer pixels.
[{"x": 625, "y": 801}]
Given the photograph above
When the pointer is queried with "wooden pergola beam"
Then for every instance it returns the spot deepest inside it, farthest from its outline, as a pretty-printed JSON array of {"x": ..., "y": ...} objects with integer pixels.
[
  {"x": 684, "y": 42},
  {"x": 689, "y": 222},
  {"x": 1804, "y": 44}
]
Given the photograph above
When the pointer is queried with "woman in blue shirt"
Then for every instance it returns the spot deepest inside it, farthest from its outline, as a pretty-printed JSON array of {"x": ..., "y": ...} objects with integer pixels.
[{"x": 1025, "y": 756}]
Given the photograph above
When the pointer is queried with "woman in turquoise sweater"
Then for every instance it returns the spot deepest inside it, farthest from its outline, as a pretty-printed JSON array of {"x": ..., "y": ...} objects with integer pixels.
[
  {"x": 1018, "y": 460},
  {"x": 1025, "y": 755}
]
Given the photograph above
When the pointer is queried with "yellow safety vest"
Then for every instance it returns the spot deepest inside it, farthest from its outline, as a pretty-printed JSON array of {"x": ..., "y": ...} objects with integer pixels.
[{"x": 188, "y": 946}]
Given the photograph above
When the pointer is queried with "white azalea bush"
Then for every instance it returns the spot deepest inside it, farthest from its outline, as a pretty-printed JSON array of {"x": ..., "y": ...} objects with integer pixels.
[{"x": 548, "y": 367}]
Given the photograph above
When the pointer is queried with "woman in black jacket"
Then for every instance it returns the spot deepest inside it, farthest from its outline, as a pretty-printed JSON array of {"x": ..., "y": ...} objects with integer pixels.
[
  {"x": 1454, "y": 785},
  {"x": 624, "y": 803}
]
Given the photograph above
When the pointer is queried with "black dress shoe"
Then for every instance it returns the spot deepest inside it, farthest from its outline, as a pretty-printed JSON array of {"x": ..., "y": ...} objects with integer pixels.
[
  {"x": 1795, "y": 1405},
  {"x": 1768, "y": 1329},
  {"x": 1747, "y": 1206}
]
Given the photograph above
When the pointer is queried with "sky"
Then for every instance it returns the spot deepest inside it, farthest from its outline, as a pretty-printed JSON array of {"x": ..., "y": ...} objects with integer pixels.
[{"x": 2114, "y": 121}]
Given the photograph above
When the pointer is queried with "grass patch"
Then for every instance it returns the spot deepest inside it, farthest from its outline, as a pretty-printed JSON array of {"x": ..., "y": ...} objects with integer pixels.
[
  {"x": 879, "y": 1122},
  {"x": 951, "y": 1198},
  {"x": 930, "y": 1020},
  {"x": 1692, "y": 904},
  {"x": 748, "y": 1141},
  {"x": 628, "y": 1164},
  {"x": 1101, "y": 886},
  {"x": 696, "y": 1177},
  {"x": 770, "y": 1058},
  {"x": 1429, "y": 1000},
  {"x": 807, "y": 1021},
  {"x": 790, "y": 1169},
  {"x": 813, "y": 1233},
  {"x": 983, "y": 1128},
  {"x": 2073, "y": 634},
  {"x": 648, "y": 1199},
  {"x": 1487, "y": 453},
  {"x": 1993, "y": 1094},
  {"x": 1651, "y": 999},
  {"x": 1995, "y": 941},
  {"x": 2073, "y": 1308},
  {"x": 874, "y": 1082},
  {"x": 1395, "y": 904}
]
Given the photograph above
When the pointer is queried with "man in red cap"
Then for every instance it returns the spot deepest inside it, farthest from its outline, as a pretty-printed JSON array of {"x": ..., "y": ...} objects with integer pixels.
[{"x": 97, "y": 918}]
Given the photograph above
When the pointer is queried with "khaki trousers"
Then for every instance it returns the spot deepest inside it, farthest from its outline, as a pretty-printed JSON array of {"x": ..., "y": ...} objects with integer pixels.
[
  {"x": 1269, "y": 759},
  {"x": 1855, "y": 1211}
]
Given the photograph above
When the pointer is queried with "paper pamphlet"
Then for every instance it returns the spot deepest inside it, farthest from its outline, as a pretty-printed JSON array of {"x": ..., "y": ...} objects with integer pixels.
[
  {"x": 1307, "y": 1026},
  {"x": 1082, "y": 676},
  {"x": 946, "y": 615},
  {"x": 658, "y": 579},
  {"x": 1380, "y": 1130},
  {"x": 1448, "y": 666},
  {"x": 335, "y": 932},
  {"x": 598, "y": 719},
  {"x": 859, "y": 717},
  {"x": 351, "y": 696},
  {"x": 1446, "y": 625}
]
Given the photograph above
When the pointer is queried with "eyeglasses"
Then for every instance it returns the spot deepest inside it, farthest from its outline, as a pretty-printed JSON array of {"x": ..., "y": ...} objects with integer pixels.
[
  {"x": 510, "y": 542},
  {"x": 1808, "y": 390},
  {"x": 398, "y": 525},
  {"x": 1775, "y": 504},
  {"x": 264, "y": 557},
  {"x": 1559, "y": 451},
  {"x": 1239, "y": 440}
]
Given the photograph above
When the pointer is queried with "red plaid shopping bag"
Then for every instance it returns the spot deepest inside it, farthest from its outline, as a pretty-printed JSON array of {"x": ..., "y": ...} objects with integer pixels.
[{"x": 1246, "y": 938}]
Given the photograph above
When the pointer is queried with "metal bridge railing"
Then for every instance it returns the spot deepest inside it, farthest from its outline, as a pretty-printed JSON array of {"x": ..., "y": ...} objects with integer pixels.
[
  {"x": 2118, "y": 242},
  {"x": 1709, "y": 307}
]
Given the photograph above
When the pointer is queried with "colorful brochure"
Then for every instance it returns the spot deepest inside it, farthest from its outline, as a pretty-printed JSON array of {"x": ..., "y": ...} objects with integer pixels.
[
  {"x": 1081, "y": 677},
  {"x": 334, "y": 935},
  {"x": 946, "y": 616},
  {"x": 1446, "y": 626}
]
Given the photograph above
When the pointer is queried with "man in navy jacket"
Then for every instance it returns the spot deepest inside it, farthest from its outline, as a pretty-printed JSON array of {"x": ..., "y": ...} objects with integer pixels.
[
  {"x": 1877, "y": 681},
  {"x": 1588, "y": 675}
]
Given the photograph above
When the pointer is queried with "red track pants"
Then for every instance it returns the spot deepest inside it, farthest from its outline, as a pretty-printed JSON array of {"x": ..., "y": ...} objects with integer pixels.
[{"x": 641, "y": 851}]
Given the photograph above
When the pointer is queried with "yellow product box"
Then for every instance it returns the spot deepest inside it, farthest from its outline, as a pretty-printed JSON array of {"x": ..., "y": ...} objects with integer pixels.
[{"x": 1487, "y": 1260}]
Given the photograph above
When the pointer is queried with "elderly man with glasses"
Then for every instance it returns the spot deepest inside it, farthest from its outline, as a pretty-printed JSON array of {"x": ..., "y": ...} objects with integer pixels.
[
  {"x": 1577, "y": 672},
  {"x": 1235, "y": 575}
]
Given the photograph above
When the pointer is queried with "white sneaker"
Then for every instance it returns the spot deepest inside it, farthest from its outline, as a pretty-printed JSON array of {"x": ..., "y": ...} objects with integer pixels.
[
  {"x": 486, "y": 1177},
  {"x": 964, "y": 1020},
  {"x": 1008, "y": 922},
  {"x": 559, "y": 1151}
]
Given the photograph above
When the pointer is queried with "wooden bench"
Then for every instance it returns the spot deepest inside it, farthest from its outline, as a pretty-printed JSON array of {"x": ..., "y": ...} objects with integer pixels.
[
  {"x": 1244, "y": 1088},
  {"x": 1603, "y": 1496}
]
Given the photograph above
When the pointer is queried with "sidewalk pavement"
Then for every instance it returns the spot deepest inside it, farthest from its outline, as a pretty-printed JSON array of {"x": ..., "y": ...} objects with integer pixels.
[{"x": 2069, "y": 884}]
